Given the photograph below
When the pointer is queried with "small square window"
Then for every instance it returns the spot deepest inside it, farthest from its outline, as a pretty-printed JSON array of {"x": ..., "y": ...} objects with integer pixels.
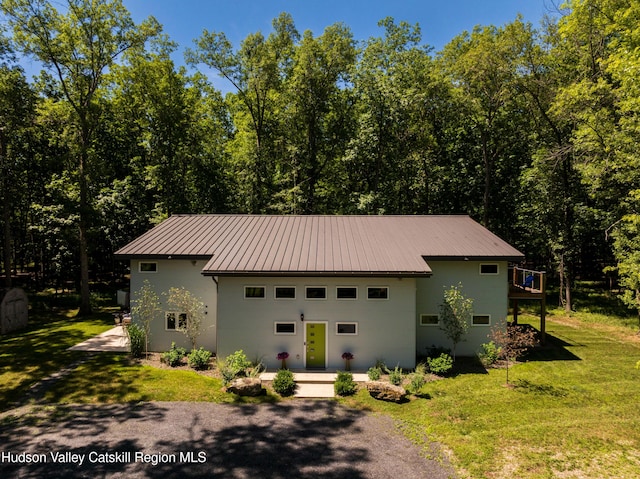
[
  {"x": 254, "y": 292},
  {"x": 429, "y": 320},
  {"x": 481, "y": 320},
  {"x": 346, "y": 328},
  {"x": 316, "y": 292},
  {"x": 378, "y": 292},
  {"x": 347, "y": 292},
  {"x": 285, "y": 292},
  {"x": 175, "y": 321},
  {"x": 489, "y": 268},
  {"x": 285, "y": 328},
  {"x": 148, "y": 267}
]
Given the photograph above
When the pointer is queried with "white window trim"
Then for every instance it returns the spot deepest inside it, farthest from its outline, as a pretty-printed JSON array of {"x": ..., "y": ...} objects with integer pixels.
[
  {"x": 378, "y": 287},
  {"x": 275, "y": 296},
  {"x": 275, "y": 328},
  {"x": 177, "y": 313},
  {"x": 255, "y": 286},
  {"x": 147, "y": 262},
  {"x": 481, "y": 325},
  {"x": 355, "y": 323},
  {"x": 326, "y": 295},
  {"x": 430, "y": 325},
  {"x": 347, "y": 299},
  {"x": 489, "y": 264}
]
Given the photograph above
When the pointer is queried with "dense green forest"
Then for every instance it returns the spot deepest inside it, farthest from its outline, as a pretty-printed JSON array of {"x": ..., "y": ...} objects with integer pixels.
[{"x": 531, "y": 130}]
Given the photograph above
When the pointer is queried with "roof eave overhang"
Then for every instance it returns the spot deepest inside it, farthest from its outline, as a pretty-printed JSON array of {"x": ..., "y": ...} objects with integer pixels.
[
  {"x": 511, "y": 258},
  {"x": 335, "y": 274},
  {"x": 129, "y": 256}
]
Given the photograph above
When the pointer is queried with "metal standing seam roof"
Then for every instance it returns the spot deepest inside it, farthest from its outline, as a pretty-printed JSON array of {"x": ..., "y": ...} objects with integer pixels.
[{"x": 319, "y": 245}]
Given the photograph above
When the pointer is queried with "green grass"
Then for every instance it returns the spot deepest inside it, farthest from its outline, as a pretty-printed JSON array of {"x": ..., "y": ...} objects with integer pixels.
[
  {"x": 109, "y": 378},
  {"x": 30, "y": 355},
  {"x": 572, "y": 409}
]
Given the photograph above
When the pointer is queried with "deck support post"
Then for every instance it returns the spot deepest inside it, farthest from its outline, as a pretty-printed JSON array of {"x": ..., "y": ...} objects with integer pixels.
[{"x": 543, "y": 310}]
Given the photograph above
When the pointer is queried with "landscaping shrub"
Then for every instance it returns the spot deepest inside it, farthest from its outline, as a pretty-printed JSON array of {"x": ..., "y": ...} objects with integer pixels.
[
  {"x": 422, "y": 368},
  {"x": 345, "y": 385},
  {"x": 440, "y": 365},
  {"x": 417, "y": 381},
  {"x": 174, "y": 356},
  {"x": 489, "y": 354},
  {"x": 199, "y": 359},
  {"x": 395, "y": 376},
  {"x": 283, "y": 382},
  {"x": 136, "y": 340},
  {"x": 238, "y": 362},
  {"x": 232, "y": 366},
  {"x": 374, "y": 373}
]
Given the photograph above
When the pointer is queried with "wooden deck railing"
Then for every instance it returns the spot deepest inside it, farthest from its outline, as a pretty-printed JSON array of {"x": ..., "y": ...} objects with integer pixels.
[
  {"x": 525, "y": 284},
  {"x": 528, "y": 280}
]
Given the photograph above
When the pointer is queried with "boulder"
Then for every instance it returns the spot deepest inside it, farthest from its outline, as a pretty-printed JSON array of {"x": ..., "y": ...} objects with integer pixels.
[
  {"x": 246, "y": 387},
  {"x": 386, "y": 391},
  {"x": 14, "y": 310}
]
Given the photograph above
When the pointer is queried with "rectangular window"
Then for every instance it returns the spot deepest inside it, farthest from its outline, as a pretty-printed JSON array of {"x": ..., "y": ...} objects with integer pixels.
[
  {"x": 254, "y": 292},
  {"x": 429, "y": 320},
  {"x": 347, "y": 292},
  {"x": 148, "y": 267},
  {"x": 284, "y": 328},
  {"x": 346, "y": 328},
  {"x": 378, "y": 292},
  {"x": 285, "y": 292},
  {"x": 316, "y": 292},
  {"x": 489, "y": 268},
  {"x": 481, "y": 320},
  {"x": 175, "y": 321}
]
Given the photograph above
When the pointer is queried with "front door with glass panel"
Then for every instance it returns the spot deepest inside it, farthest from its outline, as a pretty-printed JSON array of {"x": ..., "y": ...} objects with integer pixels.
[{"x": 315, "y": 341}]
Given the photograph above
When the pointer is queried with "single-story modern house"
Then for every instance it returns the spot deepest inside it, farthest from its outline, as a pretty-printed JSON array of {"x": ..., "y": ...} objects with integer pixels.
[{"x": 319, "y": 286}]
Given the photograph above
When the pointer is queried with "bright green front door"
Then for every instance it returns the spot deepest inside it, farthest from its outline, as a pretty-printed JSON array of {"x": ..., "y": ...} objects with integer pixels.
[{"x": 316, "y": 344}]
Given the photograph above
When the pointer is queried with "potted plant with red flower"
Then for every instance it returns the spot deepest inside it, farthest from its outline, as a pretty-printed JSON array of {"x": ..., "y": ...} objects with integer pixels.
[
  {"x": 347, "y": 360},
  {"x": 283, "y": 357}
]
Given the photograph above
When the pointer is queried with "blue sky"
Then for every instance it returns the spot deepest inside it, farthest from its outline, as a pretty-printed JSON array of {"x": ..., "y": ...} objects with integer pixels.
[
  {"x": 440, "y": 21},
  {"x": 184, "y": 20}
]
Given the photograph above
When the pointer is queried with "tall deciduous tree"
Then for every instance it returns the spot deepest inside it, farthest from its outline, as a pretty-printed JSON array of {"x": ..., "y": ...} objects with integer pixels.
[
  {"x": 317, "y": 111},
  {"x": 78, "y": 45},
  {"x": 482, "y": 66},
  {"x": 391, "y": 157},
  {"x": 17, "y": 108},
  {"x": 257, "y": 71}
]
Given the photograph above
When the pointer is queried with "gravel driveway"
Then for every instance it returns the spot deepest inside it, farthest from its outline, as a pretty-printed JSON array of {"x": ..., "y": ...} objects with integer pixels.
[{"x": 290, "y": 440}]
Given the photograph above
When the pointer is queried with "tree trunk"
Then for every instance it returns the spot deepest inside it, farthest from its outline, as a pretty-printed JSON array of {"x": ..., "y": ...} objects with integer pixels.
[
  {"x": 6, "y": 211},
  {"x": 85, "y": 294}
]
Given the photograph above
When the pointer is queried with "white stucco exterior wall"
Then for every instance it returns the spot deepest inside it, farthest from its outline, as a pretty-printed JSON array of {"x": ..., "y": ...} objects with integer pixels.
[
  {"x": 386, "y": 328},
  {"x": 488, "y": 291},
  {"x": 177, "y": 273}
]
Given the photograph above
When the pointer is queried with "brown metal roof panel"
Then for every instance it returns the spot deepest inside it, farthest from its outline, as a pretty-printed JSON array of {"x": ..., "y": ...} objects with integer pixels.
[
  {"x": 240, "y": 234},
  {"x": 319, "y": 243}
]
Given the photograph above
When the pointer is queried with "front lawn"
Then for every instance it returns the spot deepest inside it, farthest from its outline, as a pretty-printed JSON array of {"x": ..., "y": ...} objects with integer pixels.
[
  {"x": 32, "y": 354},
  {"x": 110, "y": 377},
  {"x": 572, "y": 410}
]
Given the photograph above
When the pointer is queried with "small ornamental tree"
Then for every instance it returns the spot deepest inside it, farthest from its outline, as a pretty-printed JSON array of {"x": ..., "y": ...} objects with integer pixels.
[
  {"x": 455, "y": 314},
  {"x": 144, "y": 312},
  {"x": 183, "y": 301},
  {"x": 513, "y": 341}
]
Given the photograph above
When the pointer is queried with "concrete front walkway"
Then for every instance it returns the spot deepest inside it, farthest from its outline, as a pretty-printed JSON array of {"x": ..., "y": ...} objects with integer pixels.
[
  {"x": 114, "y": 340},
  {"x": 314, "y": 384}
]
